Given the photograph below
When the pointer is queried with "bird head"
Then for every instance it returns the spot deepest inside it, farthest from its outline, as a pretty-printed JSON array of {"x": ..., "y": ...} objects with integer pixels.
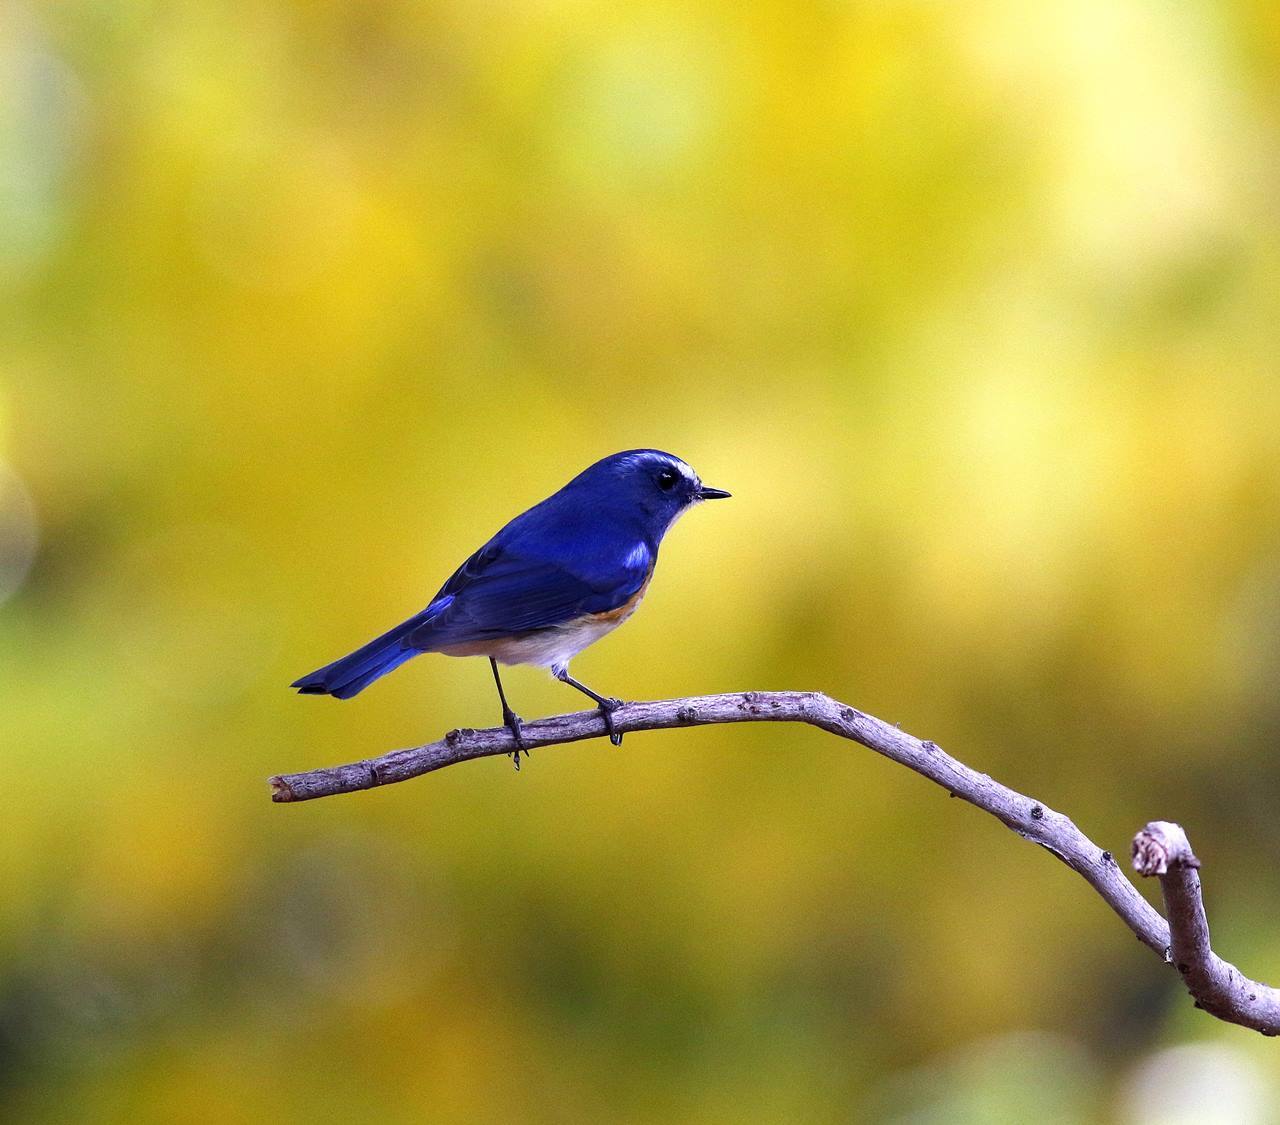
[{"x": 659, "y": 486}]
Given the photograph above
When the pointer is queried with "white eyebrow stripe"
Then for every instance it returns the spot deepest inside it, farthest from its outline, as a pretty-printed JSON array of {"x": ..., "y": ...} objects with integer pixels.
[
  {"x": 670, "y": 460},
  {"x": 637, "y": 558}
]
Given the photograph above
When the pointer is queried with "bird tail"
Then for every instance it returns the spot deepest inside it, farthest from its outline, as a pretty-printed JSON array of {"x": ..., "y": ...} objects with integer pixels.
[{"x": 353, "y": 673}]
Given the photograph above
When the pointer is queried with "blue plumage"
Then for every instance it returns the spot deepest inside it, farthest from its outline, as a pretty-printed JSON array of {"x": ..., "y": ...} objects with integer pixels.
[
  {"x": 353, "y": 673},
  {"x": 552, "y": 581}
]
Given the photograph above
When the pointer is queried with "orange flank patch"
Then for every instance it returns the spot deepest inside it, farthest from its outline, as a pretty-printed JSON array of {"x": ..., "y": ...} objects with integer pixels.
[
  {"x": 627, "y": 608},
  {"x": 470, "y": 648}
]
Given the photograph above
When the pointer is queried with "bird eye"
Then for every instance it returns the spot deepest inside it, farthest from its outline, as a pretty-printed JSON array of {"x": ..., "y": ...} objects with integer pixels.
[{"x": 667, "y": 479}]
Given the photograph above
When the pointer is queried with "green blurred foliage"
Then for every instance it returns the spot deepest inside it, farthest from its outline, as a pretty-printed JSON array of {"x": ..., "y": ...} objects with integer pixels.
[{"x": 973, "y": 306}]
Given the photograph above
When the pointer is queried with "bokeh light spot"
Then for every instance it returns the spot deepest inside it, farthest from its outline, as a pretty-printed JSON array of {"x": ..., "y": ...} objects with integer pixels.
[
  {"x": 1198, "y": 1084},
  {"x": 43, "y": 114}
]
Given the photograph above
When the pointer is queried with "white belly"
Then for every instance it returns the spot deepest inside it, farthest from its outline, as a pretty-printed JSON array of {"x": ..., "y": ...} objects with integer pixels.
[{"x": 552, "y": 647}]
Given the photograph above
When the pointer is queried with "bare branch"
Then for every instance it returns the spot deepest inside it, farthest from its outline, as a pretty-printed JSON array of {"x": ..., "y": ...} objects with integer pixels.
[{"x": 1160, "y": 849}]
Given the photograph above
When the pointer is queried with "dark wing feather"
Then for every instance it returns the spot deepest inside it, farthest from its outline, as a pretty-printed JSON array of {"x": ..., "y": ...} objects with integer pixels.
[{"x": 499, "y": 592}]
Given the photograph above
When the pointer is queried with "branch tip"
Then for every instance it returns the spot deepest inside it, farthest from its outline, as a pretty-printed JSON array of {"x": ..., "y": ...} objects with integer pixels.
[{"x": 1160, "y": 847}]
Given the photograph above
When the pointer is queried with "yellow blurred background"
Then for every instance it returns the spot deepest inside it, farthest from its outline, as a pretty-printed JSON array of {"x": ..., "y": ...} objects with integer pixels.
[{"x": 975, "y": 308}]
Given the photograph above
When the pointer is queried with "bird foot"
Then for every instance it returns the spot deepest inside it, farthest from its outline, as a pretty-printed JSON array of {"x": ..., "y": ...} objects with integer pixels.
[
  {"x": 607, "y": 708},
  {"x": 515, "y": 725}
]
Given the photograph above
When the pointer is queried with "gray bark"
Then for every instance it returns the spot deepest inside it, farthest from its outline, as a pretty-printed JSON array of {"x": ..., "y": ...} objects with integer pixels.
[{"x": 1161, "y": 849}]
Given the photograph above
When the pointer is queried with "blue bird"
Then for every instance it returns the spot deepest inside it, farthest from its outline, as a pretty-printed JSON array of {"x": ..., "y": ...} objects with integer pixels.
[{"x": 553, "y": 581}]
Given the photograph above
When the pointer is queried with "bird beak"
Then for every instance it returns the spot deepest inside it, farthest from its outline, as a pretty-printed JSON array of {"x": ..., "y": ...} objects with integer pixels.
[{"x": 705, "y": 493}]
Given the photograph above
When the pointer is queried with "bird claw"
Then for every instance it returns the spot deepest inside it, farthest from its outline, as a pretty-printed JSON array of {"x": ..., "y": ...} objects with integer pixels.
[
  {"x": 515, "y": 725},
  {"x": 607, "y": 708}
]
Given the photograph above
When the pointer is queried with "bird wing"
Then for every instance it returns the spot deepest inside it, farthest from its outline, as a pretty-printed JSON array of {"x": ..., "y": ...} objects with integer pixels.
[{"x": 503, "y": 590}]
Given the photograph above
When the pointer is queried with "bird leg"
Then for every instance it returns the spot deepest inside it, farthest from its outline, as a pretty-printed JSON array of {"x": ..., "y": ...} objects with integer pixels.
[
  {"x": 606, "y": 704},
  {"x": 510, "y": 719}
]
